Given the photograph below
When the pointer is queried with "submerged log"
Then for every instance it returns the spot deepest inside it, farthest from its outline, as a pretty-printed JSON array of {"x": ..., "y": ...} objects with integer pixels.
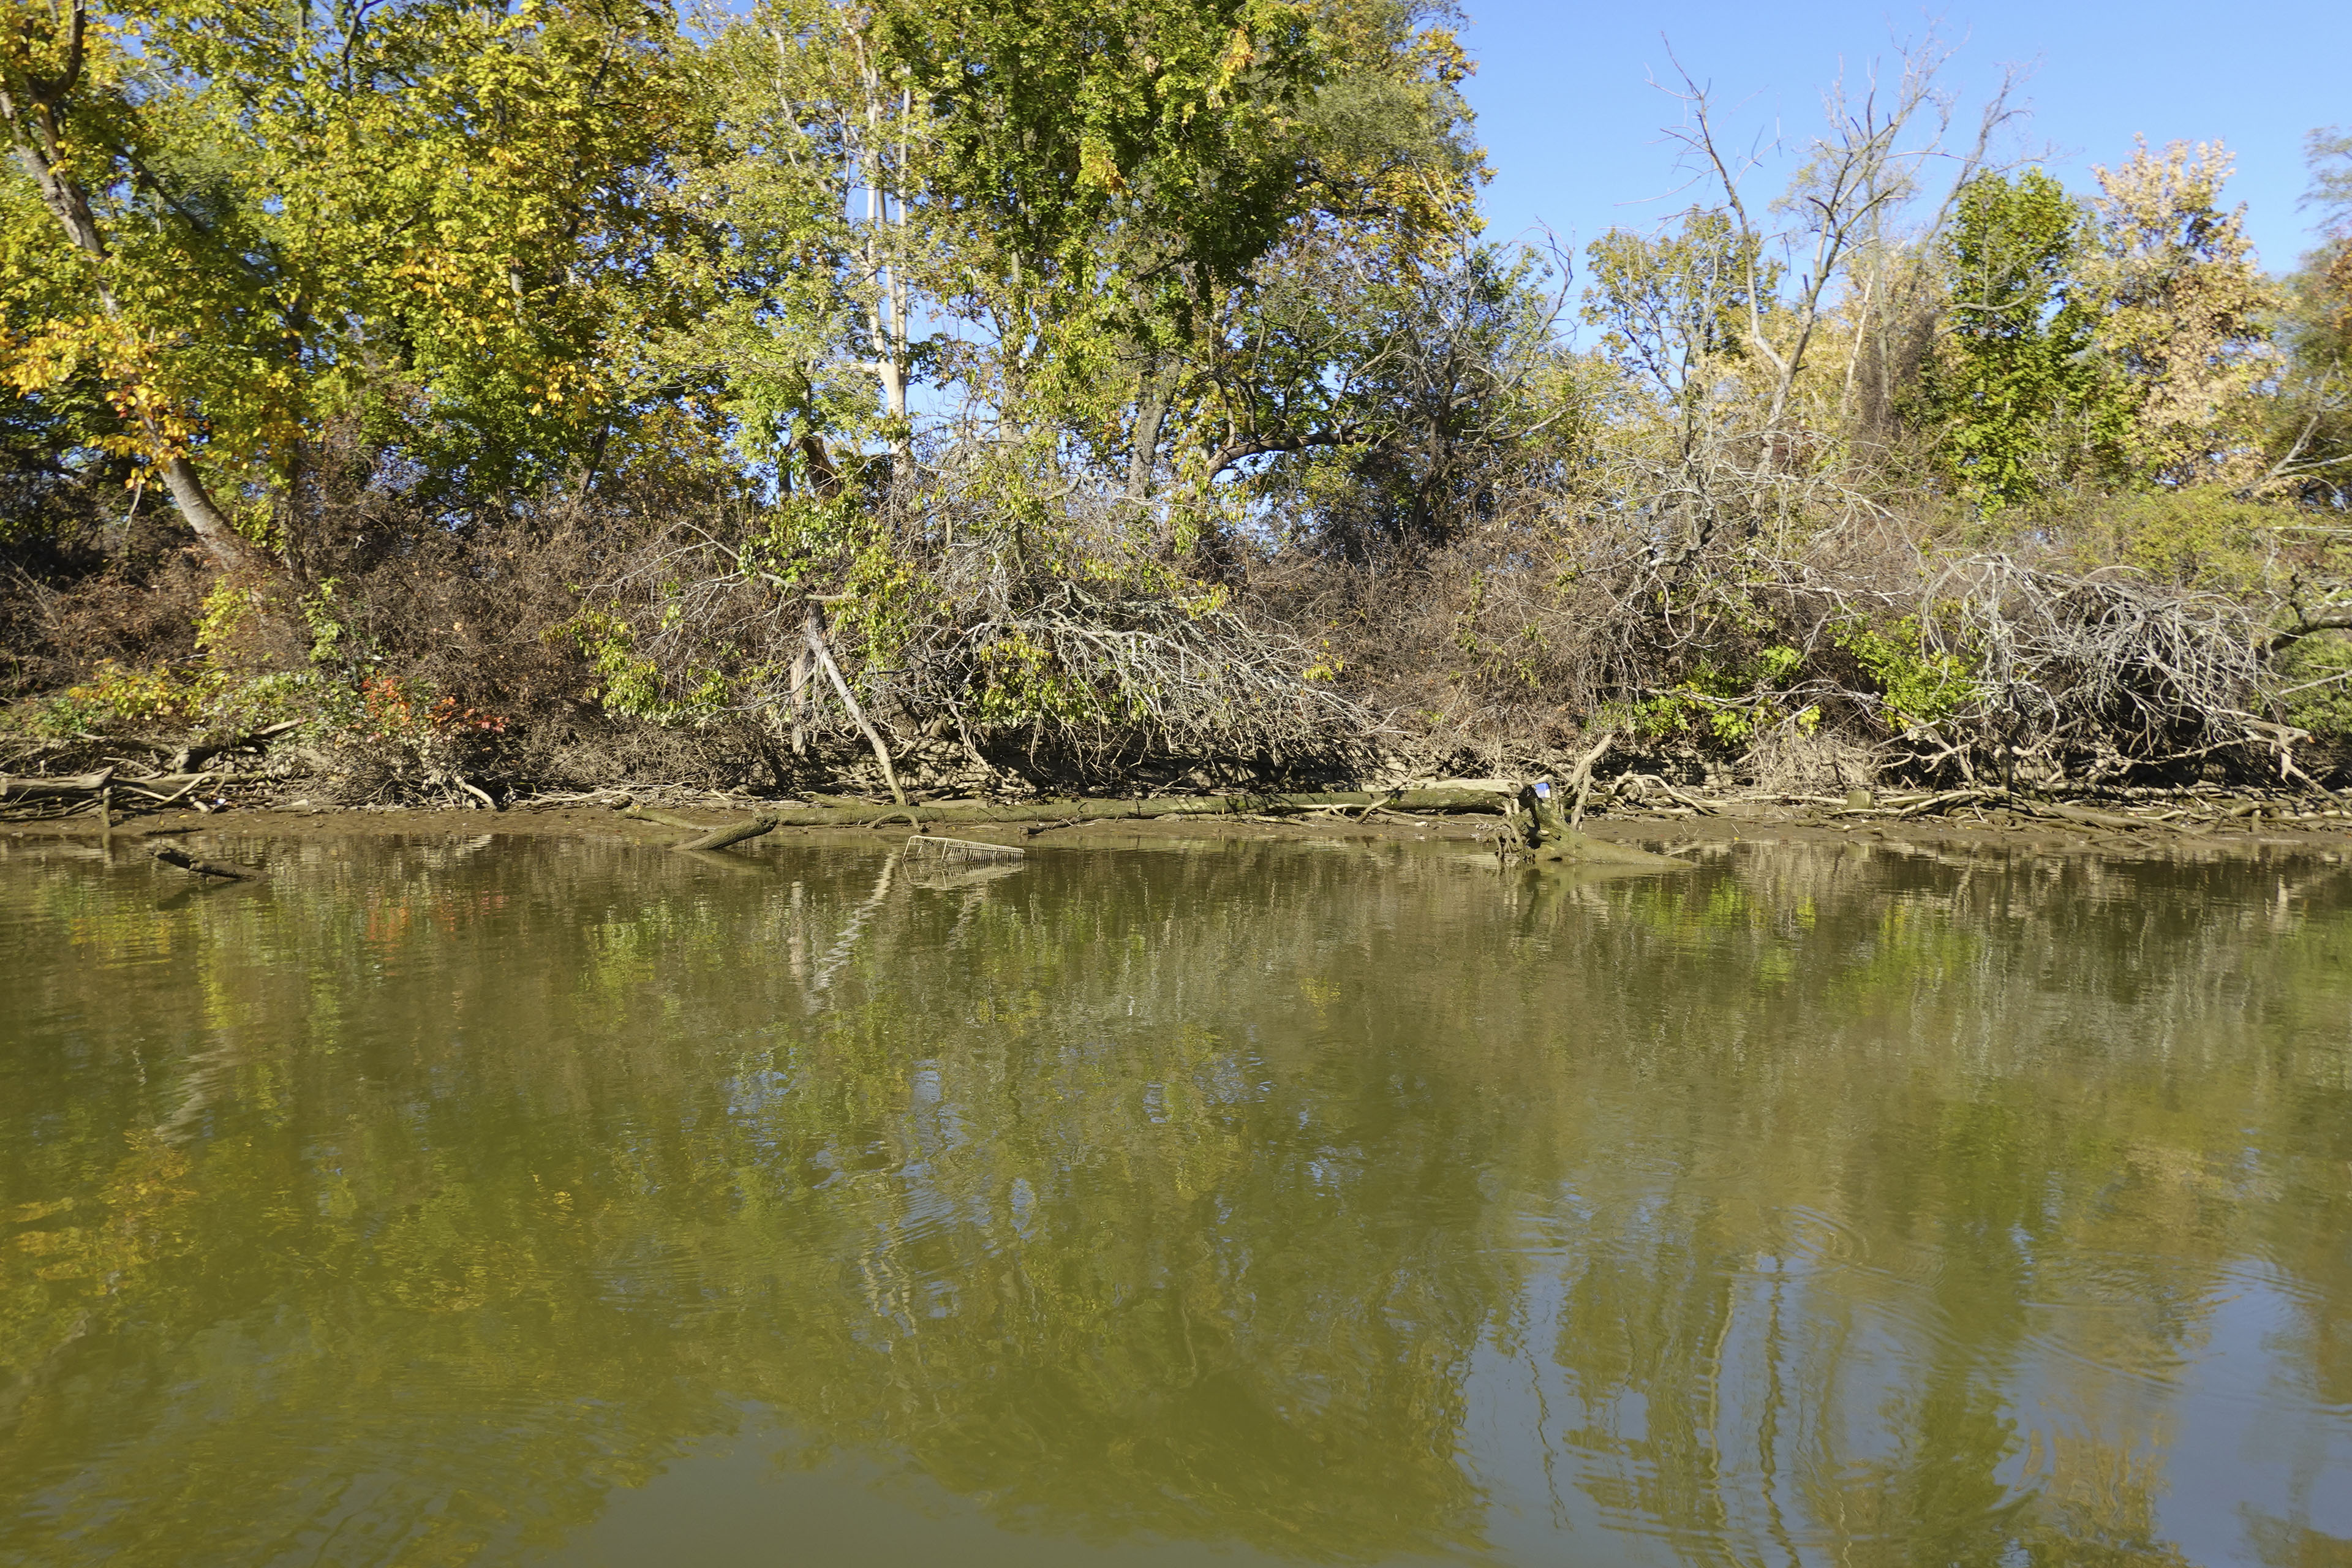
[
  {"x": 706, "y": 835},
  {"x": 1551, "y": 839},
  {"x": 172, "y": 854},
  {"x": 731, "y": 832}
]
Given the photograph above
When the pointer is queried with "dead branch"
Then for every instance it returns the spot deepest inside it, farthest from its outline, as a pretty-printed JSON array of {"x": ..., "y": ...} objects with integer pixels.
[
  {"x": 77, "y": 787},
  {"x": 1579, "y": 782},
  {"x": 172, "y": 854},
  {"x": 732, "y": 833}
]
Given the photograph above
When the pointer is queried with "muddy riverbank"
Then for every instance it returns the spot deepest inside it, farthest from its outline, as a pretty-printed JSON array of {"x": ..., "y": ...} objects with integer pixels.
[{"x": 2271, "y": 828}]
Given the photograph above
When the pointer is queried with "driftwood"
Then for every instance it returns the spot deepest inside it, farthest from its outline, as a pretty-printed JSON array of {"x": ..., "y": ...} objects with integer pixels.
[
  {"x": 706, "y": 835},
  {"x": 172, "y": 854},
  {"x": 184, "y": 771},
  {"x": 166, "y": 788},
  {"x": 731, "y": 832},
  {"x": 103, "y": 787},
  {"x": 186, "y": 756},
  {"x": 71, "y": 787}
]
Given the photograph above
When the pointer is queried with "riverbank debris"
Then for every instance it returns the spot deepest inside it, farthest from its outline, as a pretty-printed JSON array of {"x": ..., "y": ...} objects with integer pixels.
[
  {"x": 1539, "y": 835},
  {"x": 707, "y": 836}
]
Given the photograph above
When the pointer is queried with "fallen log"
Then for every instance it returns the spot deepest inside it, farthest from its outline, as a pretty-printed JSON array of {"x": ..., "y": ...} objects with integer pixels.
[
  {"x": 70, "y": 786},
  {"x": 636, "y": 813},
  {"x": 2087, "y": 816},
  {"x": 707, "y": 836},
  {"x": 1068, "y": 810},
  {"x": 731, "y": 832},
  {"x": 172, "y": 854}
]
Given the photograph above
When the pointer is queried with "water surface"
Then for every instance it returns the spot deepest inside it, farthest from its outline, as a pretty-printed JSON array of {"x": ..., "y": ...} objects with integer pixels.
[{"x": 536, "y": 1201}]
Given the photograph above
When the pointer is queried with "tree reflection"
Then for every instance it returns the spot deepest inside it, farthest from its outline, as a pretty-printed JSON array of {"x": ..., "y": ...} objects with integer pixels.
[{"x": 1830, "y": 1204}]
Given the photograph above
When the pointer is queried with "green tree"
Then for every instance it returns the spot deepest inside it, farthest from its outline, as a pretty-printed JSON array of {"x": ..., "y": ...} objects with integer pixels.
[
  {"x": 2310, "y": 439},
  {"x": 247, "y": 222},
  {"x": 2015, "y": 363}
]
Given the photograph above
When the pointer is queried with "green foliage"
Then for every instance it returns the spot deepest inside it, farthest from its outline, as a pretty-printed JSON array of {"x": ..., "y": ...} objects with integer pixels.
[
  {"x": 2202, "y": 537},
  {"x": 432, "y": 219},
  {"x": 1671, "y": 306},
  {"x": 2014, "y": 365},
  {"x": 164, "y": 698},
  {"x": 1728, "y": 702},
  {"x": 1723, "y": 703},
  {"x": 115, "y": 698},
  {"x": 1921, "y": 687},
  {"x": 2316, "y": 674},
  {"x": 634, "y": 686}
]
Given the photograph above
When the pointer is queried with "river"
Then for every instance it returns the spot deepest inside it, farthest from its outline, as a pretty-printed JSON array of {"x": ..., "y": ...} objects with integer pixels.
[{"x": 547, "y": 1201}]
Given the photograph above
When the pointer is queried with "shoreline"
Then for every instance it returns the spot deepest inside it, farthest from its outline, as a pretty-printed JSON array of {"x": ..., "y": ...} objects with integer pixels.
[{"x": 1730, "y": 823}]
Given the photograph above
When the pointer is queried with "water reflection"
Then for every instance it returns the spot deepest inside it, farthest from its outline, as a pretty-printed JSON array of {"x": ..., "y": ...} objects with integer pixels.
[{"x": 426, "y": 1203}]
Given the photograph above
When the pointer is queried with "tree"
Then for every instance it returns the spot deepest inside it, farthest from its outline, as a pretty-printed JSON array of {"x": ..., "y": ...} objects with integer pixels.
[
  {"x": 61, "y": 96},
  {"x": 1840, "y": 211},
  {"x": 2182, "y": 307},
  {"x": 1455, "y": 392},
  {"x": 2310, "y": 440},
  {"x": 430, "y": 219},
  {"x": 1826, "y": 272},
  {"x": 2015, "y": 352},
  {"x": 1081, "y": 228}
]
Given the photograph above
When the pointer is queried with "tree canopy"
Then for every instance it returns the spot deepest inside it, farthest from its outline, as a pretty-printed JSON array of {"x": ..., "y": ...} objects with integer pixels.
[{"x": 1070, "y": 371}]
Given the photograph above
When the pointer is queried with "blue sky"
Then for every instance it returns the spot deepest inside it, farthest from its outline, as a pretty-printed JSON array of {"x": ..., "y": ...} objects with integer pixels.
[{"x": 1571, "y": 126}]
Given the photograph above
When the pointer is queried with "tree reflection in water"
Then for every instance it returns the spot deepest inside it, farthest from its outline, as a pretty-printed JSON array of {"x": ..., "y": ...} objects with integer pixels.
[{"x": 1325, "y": 1203}]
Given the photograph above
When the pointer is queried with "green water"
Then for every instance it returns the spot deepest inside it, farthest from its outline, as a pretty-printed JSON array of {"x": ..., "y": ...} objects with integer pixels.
[{"x": 533, "y": 1201}]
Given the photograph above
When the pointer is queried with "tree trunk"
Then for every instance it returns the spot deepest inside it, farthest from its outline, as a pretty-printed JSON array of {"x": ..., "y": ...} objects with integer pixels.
[{"x": 33, "y": 128}]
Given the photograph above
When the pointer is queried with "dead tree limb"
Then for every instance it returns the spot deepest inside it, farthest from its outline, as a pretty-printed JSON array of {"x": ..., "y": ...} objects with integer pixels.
[
  {"x": 2329, "y": 619},
  {"x": 731, "y": 832},
  {"x": 1580, "y": 780},
  {"x": 857, "y": 714},
  {"x": 964, "y": 848},
  {"x": 195, "y": 754},
  {"x": 72, "y": 786},
  {"x": 172, "y": 854},
  {"x": 163, "y": 789}
]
